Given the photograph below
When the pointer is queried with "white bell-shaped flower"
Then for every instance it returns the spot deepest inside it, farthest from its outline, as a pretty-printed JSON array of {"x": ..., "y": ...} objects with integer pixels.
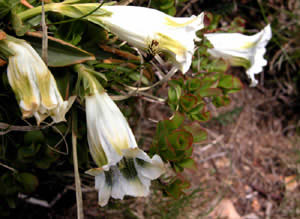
[
  {"x": 131, "y": 176},
  {"x": 145, "y": 28},
  {"x": 33, "y": 84},
  {"x": 124, "y": 169},
  {"x": 155, "y": 31},
  {"x": 242, "y": 50},
  {"x": 108, "y": 130}
]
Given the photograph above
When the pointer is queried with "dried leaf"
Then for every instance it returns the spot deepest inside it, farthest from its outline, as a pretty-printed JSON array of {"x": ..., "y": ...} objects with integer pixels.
[
  {"x": 2, "y": 35},
  {"x": 225, "y": 209},
  {"x": 291, "y": 182},
  {"x": 255, "y": 205},
  {"x": 2, "y": 62}
]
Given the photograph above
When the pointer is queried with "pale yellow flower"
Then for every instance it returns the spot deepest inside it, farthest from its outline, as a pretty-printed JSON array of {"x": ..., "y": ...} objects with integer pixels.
[{"x": 34, "y": 85}]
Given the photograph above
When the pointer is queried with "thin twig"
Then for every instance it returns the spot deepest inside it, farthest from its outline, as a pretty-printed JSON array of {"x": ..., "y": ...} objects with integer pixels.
[
  {"x": 79, "y": 201},
  {"x": 222, "y": 154},
  {"x": 59, "y": 142},
  {"x": 214, "y": 142},
  {"x": 125, "y": 2},
  {"x": 186, "y": 7},
  {"x": 8, "y": 128},
  {"x": 45, "y": 36},
  {"x": 8, "y": 167},
  {"x": 166, "y": 78}
]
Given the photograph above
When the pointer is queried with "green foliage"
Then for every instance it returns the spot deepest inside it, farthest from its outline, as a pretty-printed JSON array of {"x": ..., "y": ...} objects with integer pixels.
[
  {"x": 167, "y": 6},
  {"x": 60, "y": 53},
  {"x": 37, "y": 155},
  {"x": 228, "y": 117},
  {"x": 190, "y": 96}
]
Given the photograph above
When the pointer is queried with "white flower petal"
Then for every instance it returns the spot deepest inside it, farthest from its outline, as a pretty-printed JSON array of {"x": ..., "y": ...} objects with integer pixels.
[
  {"x": 237, "y": 47},
  {"x": 133, "y": 186},
  {"x": 141, "y": 26},
  {"x": 127, "y": 186},
  {"x": 152, "y": 168},
  {"x": 33, "y": 83},
  {"x": 104, "y": 187},
  {"x": 108, "y": 130}
]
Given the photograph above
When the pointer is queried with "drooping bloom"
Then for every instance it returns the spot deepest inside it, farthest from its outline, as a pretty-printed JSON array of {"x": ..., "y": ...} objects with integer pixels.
[
  {"x": 124, "y": 169},
  {"x": 33, "y": 84},
  {"x": 242, "y": 50},
  {"x": 145, "y": 28},
  {"x": 150, "y": 29},
  {"x": 131, "y": 176}
]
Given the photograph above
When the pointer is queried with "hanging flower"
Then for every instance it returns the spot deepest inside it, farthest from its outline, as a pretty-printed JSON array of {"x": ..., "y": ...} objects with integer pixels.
[
  {"x": 145, "y": 28},
  {"x": 108, "y": 130},
  {"x": 155, "y": 31},
  {"x": 124, "y": 169},
  {"x": 242, "y": 50},
  {"x": 131, "y": 176},
  {"x": 33, "y": 84}
]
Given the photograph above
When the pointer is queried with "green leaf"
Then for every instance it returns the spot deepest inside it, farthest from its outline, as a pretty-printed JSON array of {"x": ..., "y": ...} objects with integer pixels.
[
  {"x": 180, "y": 140},
  {"x": 71, "y": 32},
  {"x": 197, "y": 109},
  {"x": 178, "y": 119},
  {"x": 199, "y": 134},
  {"x": 193, "y": 84},
  {"x": 209, "y": 92},
  {"x": 174, "y": 94},
  {"x": 28, "y": 181},
  {"x": 34, "y": 137},
  {"x": 18, "y": 25},
  {"x": 202, "y": 116},
  {"x": 60, "y": 53},
  {"x": 137, "y": 76},
  {"x": 187, "y": 163},
  {"x": 217, "y": 65},
  {"x": 175, "y": 189},
  {"x": 26, "y": 153},
  {"x": 230, "y": 82},
  {"x": 8, "y": 185},
  {"x": 188, "y": 102},
  {"x": 176, "y": 82},
  {"x": 221, "y": 101},
  {"x": 11, "y": 201}
]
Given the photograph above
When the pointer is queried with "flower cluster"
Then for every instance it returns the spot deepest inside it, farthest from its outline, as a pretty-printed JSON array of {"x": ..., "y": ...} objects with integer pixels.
[
  {"x": 157, "y": 32},
  {"x": 122, "y": 168}
]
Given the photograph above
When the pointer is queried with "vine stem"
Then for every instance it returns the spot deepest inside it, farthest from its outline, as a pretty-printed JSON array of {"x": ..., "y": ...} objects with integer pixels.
[{"x": 79, "y": 201}]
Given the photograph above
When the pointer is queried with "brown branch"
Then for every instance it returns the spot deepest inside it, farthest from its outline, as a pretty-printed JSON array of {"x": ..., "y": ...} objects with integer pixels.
[{"x": 8, "y": 128}]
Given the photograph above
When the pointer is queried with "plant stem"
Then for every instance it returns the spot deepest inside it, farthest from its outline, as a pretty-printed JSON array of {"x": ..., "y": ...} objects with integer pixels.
[
  {"x": 34, "y": 11},
  {"x": 77, "y": 176}
]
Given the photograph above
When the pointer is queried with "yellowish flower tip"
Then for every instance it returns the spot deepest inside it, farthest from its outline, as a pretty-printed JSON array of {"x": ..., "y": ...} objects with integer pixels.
[
  {"x": 170, "y": 22},
  {"x": 242, "y": 50},
  {"x": 174, "y": 36},
  {"x": 33, "y": 83},
  {"x": 124, "y": 169}
]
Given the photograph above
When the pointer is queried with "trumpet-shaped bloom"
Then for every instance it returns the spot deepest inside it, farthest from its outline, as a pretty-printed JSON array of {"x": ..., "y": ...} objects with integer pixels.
[
  {"x": 108, "y": 130},
  {"x": 131, "y": 176},
  {"x": 155, "y": 31},
  {"x": 34, "y": 85},
  {"x": 242, "y": 50},
  {"x": 124, "y": 169},
  {"x": 145, "y": 28}
]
